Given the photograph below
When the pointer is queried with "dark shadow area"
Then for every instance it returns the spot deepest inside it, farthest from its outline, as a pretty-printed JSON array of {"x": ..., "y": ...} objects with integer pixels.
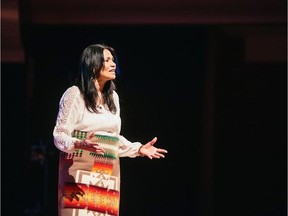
[
  {"x": 221, "y": 117},
  {"x": 13, "y": 143},
  {"x": 161, "y": 70}
]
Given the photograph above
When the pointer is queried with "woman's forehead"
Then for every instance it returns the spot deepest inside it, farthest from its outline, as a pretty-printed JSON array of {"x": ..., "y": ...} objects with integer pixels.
[{"x": 107, "y": 53}]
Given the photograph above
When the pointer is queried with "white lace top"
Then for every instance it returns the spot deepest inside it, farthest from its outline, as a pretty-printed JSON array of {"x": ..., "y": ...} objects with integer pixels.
[{"x": 73, "y": 115}]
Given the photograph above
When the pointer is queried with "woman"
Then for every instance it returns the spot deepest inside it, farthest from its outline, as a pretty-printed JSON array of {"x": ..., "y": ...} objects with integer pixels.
[{"x": 87, "y": 133}]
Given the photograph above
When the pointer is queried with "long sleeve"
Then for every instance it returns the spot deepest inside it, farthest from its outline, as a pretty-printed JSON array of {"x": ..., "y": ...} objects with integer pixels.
[
  {"x": 126, "y": 147},
  {"x": 73, "y": 115},
  {"x": 66, "y": 119}
]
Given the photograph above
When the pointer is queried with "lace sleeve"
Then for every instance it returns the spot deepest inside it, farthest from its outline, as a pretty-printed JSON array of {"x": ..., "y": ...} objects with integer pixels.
[{"x": 66, "y": 119}]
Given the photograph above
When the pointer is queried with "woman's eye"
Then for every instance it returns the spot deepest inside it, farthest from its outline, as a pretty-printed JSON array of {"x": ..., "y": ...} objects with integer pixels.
[{"x": 107, "y": 60}]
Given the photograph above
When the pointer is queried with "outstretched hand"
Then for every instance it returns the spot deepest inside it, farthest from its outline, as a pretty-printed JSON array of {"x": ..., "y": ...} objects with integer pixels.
[{"x": 150, "y": 151}]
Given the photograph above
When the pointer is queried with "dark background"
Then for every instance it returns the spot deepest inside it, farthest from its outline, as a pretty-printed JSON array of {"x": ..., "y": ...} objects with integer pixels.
[{"x": 212, "y": 89}]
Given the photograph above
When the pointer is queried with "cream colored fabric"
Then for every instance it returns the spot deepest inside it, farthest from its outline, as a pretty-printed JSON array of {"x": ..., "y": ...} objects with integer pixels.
[
  {"x": 76, "y": 164},
  {"x": 73, "y": 115}
]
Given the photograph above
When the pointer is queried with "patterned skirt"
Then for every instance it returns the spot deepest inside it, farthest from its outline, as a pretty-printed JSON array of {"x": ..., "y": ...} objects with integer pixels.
[{"x": 89, "y": 183}]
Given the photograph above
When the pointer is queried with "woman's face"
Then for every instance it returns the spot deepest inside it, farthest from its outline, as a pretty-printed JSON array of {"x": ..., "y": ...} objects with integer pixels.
[{"x": 108, "y": 71}]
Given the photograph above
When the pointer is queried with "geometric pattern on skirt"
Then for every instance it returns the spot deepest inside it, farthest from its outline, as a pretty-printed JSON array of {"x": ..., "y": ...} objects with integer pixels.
[{"x": 89, "y": 182}]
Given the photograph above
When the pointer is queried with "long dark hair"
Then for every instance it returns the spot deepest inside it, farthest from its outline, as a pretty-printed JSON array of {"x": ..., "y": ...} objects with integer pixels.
[{"x": 90, "y": 65}]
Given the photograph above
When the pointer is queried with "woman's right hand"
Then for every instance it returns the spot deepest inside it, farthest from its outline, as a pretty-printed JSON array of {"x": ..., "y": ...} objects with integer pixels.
[{"x": 90, "y": 145}]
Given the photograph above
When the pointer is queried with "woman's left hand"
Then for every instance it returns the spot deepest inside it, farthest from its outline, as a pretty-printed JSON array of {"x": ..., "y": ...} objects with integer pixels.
[{"x": 150, "y": 151}]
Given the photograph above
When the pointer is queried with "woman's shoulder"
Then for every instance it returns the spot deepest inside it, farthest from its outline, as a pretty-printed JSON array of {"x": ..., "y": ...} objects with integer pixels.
[
  {"x": 71, "y": 92},
  {"x": 115, "y": 95}
]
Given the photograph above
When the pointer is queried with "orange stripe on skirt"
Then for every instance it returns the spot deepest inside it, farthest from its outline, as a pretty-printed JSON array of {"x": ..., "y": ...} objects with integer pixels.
[{"x": 89, "y": 183}]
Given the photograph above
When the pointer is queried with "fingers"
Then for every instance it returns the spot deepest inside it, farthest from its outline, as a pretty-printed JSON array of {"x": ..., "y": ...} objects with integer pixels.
[
  {"x": 152, "y": 152},
  {"x": 91, "y": 135},
  {"x": 154, "y": 140},
  {"x": 162, "y": 150},
  {"x": 99, "y": 150},
  {"x": 158, "y": 153},
  {"x": 92, "y": 146},
  {"x": 157, "y": 156}
]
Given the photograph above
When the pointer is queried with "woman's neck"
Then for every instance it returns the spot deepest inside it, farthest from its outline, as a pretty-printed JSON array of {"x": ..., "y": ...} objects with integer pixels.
[{"x": 99, "y": 85}]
